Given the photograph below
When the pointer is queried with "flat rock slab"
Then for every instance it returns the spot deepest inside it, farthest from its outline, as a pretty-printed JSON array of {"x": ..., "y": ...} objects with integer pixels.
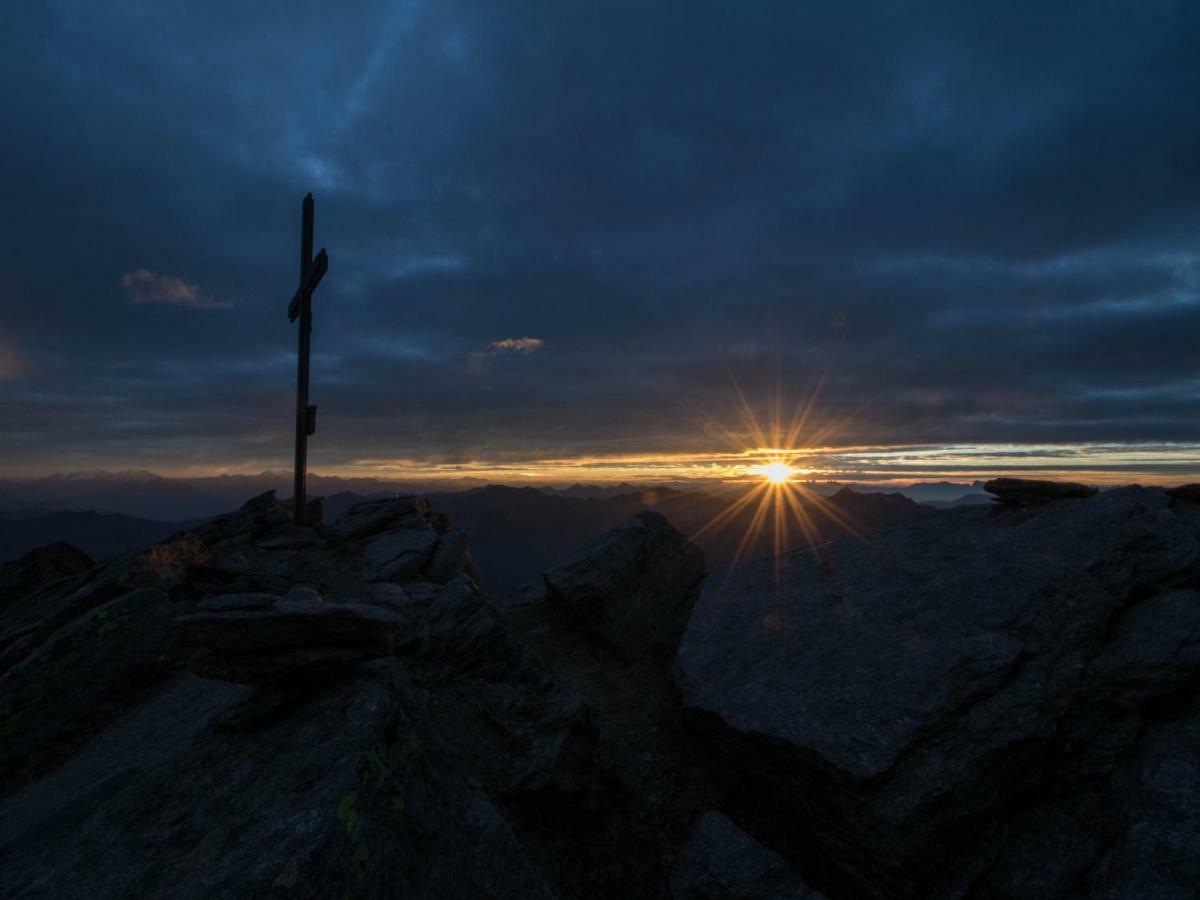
[
  {"x": 1024, "y": 491},
  {"x": 225, "y": 602},
  {"x": 399, "y": 555},
  {"x": 290, "y": 639},
  {"x": 373, "y": 516}
]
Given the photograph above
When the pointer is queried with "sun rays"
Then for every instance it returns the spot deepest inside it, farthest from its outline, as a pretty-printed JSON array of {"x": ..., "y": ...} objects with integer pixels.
[{"x": 768, "y": 489}]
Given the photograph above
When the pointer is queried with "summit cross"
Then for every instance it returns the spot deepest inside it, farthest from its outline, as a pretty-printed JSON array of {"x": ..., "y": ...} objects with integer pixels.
[{"x": 312, "y": 270}]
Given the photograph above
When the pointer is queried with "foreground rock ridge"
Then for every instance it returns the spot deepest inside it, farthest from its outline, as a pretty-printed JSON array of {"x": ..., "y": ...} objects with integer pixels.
[
  {"x": 988, "y": 702},
  {"x": 984, "y": 702}
]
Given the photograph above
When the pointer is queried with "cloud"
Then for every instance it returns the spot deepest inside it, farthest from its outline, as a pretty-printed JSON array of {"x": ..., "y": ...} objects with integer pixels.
[
  {"x": 524, "y": 345},
  {"x": 144, "y": 286},
  {"x": 11, "y": 364},
  {"x": 979, "y": 231}
]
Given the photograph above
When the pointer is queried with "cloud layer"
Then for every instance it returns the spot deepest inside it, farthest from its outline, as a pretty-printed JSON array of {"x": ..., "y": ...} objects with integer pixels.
[{"x": 961, "y": 223}]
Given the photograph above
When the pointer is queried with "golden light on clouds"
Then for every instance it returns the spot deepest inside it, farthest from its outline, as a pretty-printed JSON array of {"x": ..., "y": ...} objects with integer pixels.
[{"x": 523, "y": 345}]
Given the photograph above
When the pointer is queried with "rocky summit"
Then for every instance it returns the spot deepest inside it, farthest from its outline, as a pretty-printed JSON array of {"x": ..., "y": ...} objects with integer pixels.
[{"x": 983, "y": 702}]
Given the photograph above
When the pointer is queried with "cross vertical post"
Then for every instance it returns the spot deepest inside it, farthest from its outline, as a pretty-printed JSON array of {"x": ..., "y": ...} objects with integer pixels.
[{"x": 311, "y": 271}]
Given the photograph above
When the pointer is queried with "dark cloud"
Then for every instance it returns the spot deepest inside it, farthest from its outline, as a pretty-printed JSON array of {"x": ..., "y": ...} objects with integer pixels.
[{"x": 967, "y": 222}]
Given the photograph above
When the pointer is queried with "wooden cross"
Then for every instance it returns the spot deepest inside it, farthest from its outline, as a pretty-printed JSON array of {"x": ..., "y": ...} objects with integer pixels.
[{"x": 311, "y": 273}]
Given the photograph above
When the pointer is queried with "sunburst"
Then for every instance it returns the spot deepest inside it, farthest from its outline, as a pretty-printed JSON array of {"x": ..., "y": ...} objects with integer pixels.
[{"x": 771, "y": 487}]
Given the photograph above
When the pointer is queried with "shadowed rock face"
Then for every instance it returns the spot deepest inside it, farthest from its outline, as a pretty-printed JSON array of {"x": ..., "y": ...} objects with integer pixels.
[
  {"x": 988, "y": 702},
  {"x": 287, "y": 640},
  {"x": 633, "y": 588},
  {"x": 934, "y": 707},
  {"x": 351, "y": 737},
  {"x": 43, "y": 566},
  {"x": 721, "y": 862}
]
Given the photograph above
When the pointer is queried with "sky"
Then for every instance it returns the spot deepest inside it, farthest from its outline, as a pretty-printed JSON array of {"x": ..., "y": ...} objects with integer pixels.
[{"x": 605, "y": 239}]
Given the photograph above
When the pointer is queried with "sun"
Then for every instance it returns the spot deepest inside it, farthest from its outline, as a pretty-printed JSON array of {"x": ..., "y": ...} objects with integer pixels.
[{"x": 775, "y": 472}]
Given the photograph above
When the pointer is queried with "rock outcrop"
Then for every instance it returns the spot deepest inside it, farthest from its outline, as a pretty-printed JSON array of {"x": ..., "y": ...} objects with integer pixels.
[
  {"x": 1186, "y": 492},
  {"x": 722, "y": 862},
  {"x": 1025, "y": 491},
  {"x": 633, "y": 588},
  {"x": 349, "y": 737},
  {"x": 261, "y": 642},
  {"x": 40, "y": 567},
  {"x": 966, "y": 705},
  {"x": 995, "y": 702}
]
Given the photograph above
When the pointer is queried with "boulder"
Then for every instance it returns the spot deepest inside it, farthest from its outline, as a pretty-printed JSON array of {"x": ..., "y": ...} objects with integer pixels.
[
  {"x": 399, "y": 555},
  {"x": 927, "y": 705},
  {"x": 633, "y": 588},
  {"x": 290, "y": 640},
  {"x": 722, "y": 862},
  {"x": 373, "y": 516},
  {"x": 223, "y": 602},
  {"x": 1024, "y": 491},
  {"x": 450, "y": 558},
  {"x": 1186, "y": 492},
  {"x": 303, "y": 592},
  {"x": 293, "y": 536},
  {"x": 38, "y": 568}
]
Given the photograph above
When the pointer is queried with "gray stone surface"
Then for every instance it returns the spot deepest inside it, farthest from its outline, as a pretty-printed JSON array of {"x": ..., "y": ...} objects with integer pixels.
[
  {"x": 400, "y": 554},
  {"x": 80, "y": 678},
  {"x": 634, "y": 587},
  {"x": 722, "y": 862},
  {"x": 995, "y": 702},
  {"x": 289, "y": 640},
  {"x": 906, "y": 691},
  {"x": 224, "y": 602}
]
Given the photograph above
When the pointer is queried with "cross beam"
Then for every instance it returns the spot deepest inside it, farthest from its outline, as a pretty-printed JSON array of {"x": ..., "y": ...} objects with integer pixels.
[
  {"x": 311, "y": 273},
  {"x": 308, "y": 283}
]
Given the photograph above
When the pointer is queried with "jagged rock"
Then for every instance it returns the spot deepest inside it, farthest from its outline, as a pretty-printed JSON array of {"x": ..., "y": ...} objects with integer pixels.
[
  {"x": 346, "y": 794},
  {"x": 372, "y": 516},
  {"x": 1186, "y": 492},
  {"x": 257, "y": 518},
  {"x": 450, "y": 558},
  {"x": 81, "y": 678},
  {"x": 400, "y": 554},
  {"x": 634, "y": 587},
  {"x": 1024, "y": 491},
  {"x": 390, "y": 779},
  {"x": 722, "y": 862},
  {"x": 314, "y": 511},
  {"x": 918, "y": 705},
  {"x": 293, "y": 536},
  {"x": 392, "y": 596},
  {"x": 26, "y": 624},
  {"x": 289, "y": 640},
  {"x": 465, "y": 633},
  {"x": 223, "y": 602},
  {"x": 561, "y": 756},
  {"x": 303, "y": 592},
  {"x": 41, "y": 566}
]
